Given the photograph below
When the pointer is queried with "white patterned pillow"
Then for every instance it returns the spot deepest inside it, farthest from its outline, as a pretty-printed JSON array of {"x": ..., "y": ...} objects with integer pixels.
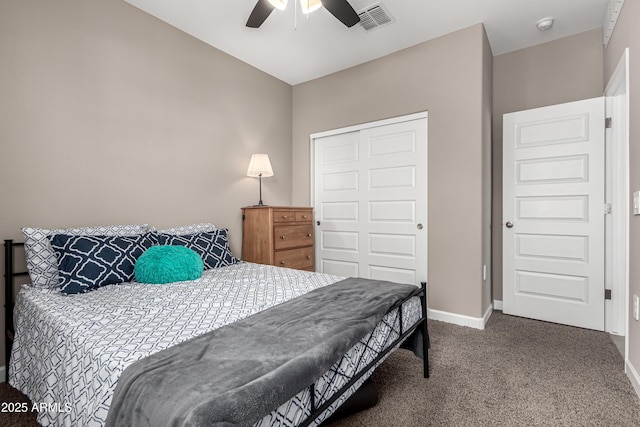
[
  {"x": 41, "y": 260},
  {"x": 189, "y": 229}
]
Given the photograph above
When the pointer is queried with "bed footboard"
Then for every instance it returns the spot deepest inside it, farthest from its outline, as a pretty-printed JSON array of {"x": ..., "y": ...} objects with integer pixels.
[{"x": 421, "y": 326}]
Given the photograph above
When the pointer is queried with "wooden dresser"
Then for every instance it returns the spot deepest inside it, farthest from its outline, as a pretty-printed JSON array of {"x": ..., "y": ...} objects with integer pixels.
[{"x": 278, "y": 235}]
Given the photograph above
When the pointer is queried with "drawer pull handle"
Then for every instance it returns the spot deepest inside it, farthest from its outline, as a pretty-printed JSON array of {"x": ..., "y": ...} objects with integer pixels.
[
  {"x": 308, "y": 256},
  {"x": 282, "y": 262},
  {"x": 309, "y": 235},
  {"x": 284, "y": 217},
  {"x": 282, "y": 237},
  {"x": 304, "y": 217}
]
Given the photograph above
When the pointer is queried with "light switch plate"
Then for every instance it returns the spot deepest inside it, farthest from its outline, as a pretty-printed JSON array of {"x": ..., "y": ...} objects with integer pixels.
[{"x": 636, "y": 202}]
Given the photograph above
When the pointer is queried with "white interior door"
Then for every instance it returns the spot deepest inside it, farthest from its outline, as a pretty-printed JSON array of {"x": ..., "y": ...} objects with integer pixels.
[
  {"x": 370, "y": 191},
  {"x": 553, "y": 213}
]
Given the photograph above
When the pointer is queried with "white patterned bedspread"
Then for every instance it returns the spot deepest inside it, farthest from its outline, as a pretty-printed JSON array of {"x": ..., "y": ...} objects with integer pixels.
[{"x": 69, "y": 351}]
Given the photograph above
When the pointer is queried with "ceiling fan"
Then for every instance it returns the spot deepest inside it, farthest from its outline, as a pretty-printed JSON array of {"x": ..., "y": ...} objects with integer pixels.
[{"x": 341, "y": 9}]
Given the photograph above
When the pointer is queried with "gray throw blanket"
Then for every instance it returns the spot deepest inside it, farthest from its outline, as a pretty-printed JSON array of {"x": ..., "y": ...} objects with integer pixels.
[{"x": 237, "y": 374}]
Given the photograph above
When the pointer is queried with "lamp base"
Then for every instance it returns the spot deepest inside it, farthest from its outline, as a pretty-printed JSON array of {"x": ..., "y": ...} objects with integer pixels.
[{"x": 260, "y": 201}]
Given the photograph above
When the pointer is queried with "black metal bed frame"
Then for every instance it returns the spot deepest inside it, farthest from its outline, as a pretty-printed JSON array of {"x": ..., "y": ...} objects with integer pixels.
[
  {"x": 9, "y": 276},
  {"x": 404, "y": 334},
  {"x": 316, "y": 411}
]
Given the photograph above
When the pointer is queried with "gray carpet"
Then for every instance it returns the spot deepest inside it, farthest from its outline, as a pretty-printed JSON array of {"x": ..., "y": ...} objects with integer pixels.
[
  {"x": 8, "y": 415},
  {"x": 517, "y": 372}
]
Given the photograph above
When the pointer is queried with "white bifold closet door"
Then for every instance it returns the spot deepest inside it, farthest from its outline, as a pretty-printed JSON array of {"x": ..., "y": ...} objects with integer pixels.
[{"x": 370, "y": 199}]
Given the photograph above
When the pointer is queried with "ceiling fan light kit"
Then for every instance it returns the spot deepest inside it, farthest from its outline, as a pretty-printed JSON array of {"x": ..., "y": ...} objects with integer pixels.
[
  {"x": 279, "y": 4},
  {"x": 309, "y": 6},
  {"x": 341, "y": 9}
]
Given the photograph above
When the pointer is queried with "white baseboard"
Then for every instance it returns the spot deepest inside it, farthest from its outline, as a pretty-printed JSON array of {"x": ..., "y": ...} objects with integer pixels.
[
  {"x": 633, "y": 376},
  {"x": 3, "y": 373},
  {"x": 487, "y": 315},
  {"x": 460, "y": 319},
  {"x": 497, "y": 304}
]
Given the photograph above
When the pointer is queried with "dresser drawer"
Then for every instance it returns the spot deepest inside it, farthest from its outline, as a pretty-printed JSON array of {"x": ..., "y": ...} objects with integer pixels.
[
  {"x": 292, "y": 236},
  {"x": 303, "y": 216},
  {"x": 284, "y": 216},
  {"x": 301, "y": 258}
]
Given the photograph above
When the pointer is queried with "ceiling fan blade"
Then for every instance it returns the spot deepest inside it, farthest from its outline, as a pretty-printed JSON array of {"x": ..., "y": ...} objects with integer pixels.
[
  {"x": 342, "y": 10},
  {"x": 260, "y": 13}
]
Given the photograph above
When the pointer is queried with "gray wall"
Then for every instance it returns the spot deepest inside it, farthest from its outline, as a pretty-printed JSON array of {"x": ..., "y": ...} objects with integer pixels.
[
  {"x": 447, "y": 78},
  {"x": 110, "y": 116},
  {"x": 487, "y": 165},
  {"x": 564, "y": 70},
  {"x": 625, "y": 35}
]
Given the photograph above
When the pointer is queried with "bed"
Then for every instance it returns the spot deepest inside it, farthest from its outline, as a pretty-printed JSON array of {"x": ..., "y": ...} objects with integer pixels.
[{"x": 69, "y": 351}]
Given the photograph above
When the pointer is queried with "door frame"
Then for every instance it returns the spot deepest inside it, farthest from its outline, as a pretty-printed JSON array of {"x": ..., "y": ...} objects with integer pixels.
[
  {"x": 356, "y": 128},
  {"x": 617, "y": 176}
]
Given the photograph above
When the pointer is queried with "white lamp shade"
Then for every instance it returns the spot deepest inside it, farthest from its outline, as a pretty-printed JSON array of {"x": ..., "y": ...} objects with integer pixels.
[
  {"x": 279, "y": 4},
  {"x": 260, "y": 166}
]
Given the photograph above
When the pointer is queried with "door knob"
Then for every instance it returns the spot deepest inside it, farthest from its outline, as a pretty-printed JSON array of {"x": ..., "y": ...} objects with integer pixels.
[
  {"x": 509, "y": 224},
  {"x": 419, "y": 226}
]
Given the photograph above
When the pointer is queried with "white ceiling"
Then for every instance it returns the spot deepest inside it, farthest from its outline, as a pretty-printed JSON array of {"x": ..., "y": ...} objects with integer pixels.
[{"x": 296, "y": 52}]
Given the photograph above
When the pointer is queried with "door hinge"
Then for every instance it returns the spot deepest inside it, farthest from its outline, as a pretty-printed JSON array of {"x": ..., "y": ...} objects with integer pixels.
[
  {"x": 608, "y": 123},
  {"x": 607, "y": 208},
  {"x": 607, "y": 294}
]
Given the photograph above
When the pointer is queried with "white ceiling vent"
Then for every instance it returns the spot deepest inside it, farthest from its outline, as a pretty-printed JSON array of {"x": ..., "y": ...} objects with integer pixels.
[{"x": 375, "y": 16}]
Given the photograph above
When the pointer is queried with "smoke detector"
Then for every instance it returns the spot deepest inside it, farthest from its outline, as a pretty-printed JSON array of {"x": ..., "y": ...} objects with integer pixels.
[
  {"x": 375, "y": 16},
  {"x": 545, "y": 23}
]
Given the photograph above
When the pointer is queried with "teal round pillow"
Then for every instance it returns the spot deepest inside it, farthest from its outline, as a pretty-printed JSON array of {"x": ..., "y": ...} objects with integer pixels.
[{"x": 166, "y": 264}]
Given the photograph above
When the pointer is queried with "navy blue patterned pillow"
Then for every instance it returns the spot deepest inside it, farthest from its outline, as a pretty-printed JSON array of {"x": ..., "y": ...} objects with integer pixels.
[
  {"x": 89, "y": 262},
  {"x": 212, "y": 246}
]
